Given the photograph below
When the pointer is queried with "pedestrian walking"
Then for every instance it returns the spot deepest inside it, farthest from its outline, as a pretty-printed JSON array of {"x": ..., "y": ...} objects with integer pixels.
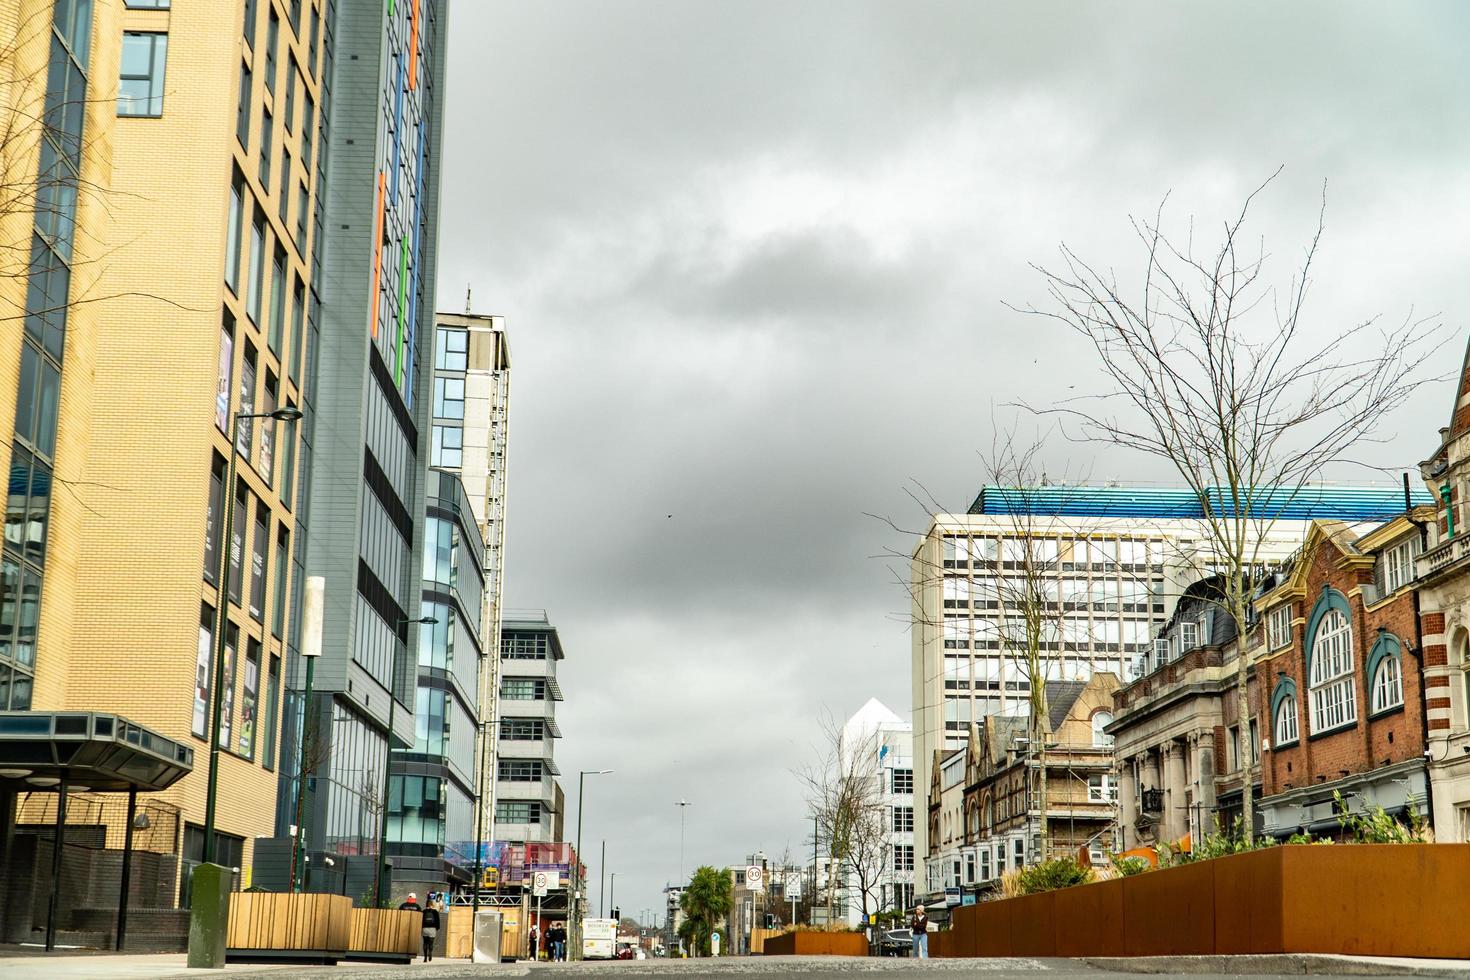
[
  {"x": 535, "y": 935},
  {"x": 430, "y": 931},
  {"x": 919, "y": 923},
  {"x": 559, "y": 941}
]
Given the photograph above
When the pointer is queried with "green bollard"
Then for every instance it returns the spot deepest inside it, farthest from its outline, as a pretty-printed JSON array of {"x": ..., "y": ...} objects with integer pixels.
[{"x": 209, "y": 916}]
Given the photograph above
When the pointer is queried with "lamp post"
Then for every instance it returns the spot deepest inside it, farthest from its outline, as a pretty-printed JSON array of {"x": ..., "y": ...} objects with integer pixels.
[
  {"x": 577, "y": 898},
  {"x": 222, "y": 614},
  {"x": 311, "y": 649},
  {"x": 388, "y": 761}
]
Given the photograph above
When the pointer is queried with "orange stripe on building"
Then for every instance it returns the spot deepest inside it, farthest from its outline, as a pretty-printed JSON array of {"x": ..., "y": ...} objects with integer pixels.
[
  {"x": 377, "y": 252},
  {"x": 413, "y": 47}
]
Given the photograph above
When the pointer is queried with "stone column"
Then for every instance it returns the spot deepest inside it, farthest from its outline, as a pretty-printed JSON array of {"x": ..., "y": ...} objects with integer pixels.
[
  {"x": 1127, "y": 803},
  {"x": 1204, "y": 773},
  {"x": 1176, "y": 817}
]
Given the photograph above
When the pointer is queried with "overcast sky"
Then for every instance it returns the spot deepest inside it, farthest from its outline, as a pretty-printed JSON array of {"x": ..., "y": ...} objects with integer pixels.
[{"x": 754, "y": 258}]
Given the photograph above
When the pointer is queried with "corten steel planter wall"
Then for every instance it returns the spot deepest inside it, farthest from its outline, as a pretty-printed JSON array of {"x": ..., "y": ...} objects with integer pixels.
[
  {"x": 819, "y": 944},
  {"x": 1355, "y": 899},
  {"x": 1089, "y": 921}
]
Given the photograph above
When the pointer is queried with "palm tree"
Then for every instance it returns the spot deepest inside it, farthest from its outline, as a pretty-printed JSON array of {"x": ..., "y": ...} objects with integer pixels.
[{"x": 706, "y": 902}]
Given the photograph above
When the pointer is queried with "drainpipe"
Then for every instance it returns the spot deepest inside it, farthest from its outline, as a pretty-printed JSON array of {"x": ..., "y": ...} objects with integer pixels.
[{"x": 1418, "y": 652}]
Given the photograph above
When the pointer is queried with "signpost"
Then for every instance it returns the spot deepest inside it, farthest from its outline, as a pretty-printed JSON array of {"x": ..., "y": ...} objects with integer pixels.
[
  {"x": 754, "y": 878},
  {"x": 540, "y": 885}
]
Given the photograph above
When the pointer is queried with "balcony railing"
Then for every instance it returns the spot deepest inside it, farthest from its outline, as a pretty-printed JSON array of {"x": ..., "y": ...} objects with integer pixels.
[{"x": 1442, "y": 556}]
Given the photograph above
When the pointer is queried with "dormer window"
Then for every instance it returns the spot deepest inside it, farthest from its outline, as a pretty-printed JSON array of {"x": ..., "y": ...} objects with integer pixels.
[
  {"x": 1278, "y": 627},
  {"x": 1396, "y": 565},
  {"x": 1188, "y": 637},
  {"x": 1161, "y": 652}
]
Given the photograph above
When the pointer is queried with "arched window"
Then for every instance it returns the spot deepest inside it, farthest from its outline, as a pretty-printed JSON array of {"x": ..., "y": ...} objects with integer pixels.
[
  {"x": 1286, "y": 728},
  {"x": 1334, "y": 703},
  {"x": 1100, "y": 721},
  {"x": 1388, "y": 685}
]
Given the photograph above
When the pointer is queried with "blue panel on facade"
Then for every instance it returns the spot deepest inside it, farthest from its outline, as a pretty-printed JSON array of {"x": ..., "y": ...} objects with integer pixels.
[{"x": 1304, "y": 503}]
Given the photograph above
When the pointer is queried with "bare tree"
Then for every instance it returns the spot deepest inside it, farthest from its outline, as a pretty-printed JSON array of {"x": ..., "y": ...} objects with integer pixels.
[
  {"x": 1212, "y": 371},
  {"x": 845, "y": 790}
]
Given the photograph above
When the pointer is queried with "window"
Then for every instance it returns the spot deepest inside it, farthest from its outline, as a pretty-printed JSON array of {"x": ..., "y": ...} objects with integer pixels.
[
  {"x": 289, "y": 118},
  {"x": 256, "y": 286},
  {"x": 517, "y": 811},
  {"x": 146, "y": 4},
  {"x": 212, "y": 522},
  {"x": 903, "y": 820},
  {"x": 250, "y": 19},
  {"x": 267, "y": 152},
  {"x": 519, "y": 770},
  {"x": 1396, "y": 565},
  {"x": 1255, "y": 733},
  {"x": 202, "y": 663},
  {"x": 984, "y": 864},
  {"x": 232, "y": 235},
  {"x": 523, "y": 689},
  {"x": 237, "y": 542},
  {"x": 140, "y": 81},
  {"x": 278, "y": 300},
  {"x": 1232, "y": 735},
  {"x": 453, "y": 350},
  {"x": 1188, "y": 637},
  {"x": 267, "y": 461},
  {"x": 1286, "y": 727},
  {"x": 1161, "y": 652},
  {"x": 227, "y": 709},
  {"x": 249, "y": 703},
  {"x": 272, "y": 37},
  {"x": 1334, "y": 703},
  {"x": 903, "y": 857},
  {"x": 969, "y": 867},
  {"x": 303, "y": 214},
  {"x": 283, "y": 562},
  {"x": 259, "y": 558},
  {"x": 1018, "y": 852},
  {"x": 522, "y": 729},
  {"x": 449, "y": 398},
  {"x": 448, "y": 441},
  {"x": 1100, "y": 721},
  {"x": 1388, "y": 684},
  {"x": 242, "y": 108},
  {"x": 272, "y": 702},
  {"x": 1000, "y": 859},
  {"x": 902, "y": 782},
  {"x": 1102, "y": 789},
  {"x": 1278, "y": 627}
]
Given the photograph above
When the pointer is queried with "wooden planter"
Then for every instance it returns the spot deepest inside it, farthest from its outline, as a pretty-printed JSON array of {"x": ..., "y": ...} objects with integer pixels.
[
  {"x": 817, "y": 944},
  {"x": 1407, "y": 900},
  {"x": 306, "y": 927},
  {"x": 386, "y": 935}
]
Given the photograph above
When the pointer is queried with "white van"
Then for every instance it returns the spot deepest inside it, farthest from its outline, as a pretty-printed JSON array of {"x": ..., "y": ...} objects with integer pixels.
[{"x": 599, "y": 938}]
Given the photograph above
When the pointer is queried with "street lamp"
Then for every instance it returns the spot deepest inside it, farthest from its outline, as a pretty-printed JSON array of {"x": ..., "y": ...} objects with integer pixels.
[
  {"x": 311, "y": 648},
  {"x": 222, "y": 614},
  {"x": 388, "y": 760},
  {"x": 577, "y": 899}
]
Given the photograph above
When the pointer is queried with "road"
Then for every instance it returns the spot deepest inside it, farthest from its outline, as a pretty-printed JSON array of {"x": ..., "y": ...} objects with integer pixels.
[{"x": 810, "y": 968}]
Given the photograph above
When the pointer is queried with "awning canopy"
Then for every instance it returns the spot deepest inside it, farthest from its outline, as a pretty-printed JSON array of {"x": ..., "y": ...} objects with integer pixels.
[{"x": 100, "y": 753}]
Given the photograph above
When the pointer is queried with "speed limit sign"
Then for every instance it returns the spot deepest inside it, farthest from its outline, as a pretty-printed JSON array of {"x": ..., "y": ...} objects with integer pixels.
[
  {"x": 540, "y": 883},
  {"x": 753, "y": 878}
]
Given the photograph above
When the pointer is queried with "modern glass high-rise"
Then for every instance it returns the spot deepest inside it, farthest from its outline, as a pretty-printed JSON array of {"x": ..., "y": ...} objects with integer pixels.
[{"x": 367, "y": 443}]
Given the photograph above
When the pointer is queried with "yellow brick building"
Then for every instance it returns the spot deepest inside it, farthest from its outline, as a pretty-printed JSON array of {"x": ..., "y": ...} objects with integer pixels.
[{"x": 188, "y": 302}]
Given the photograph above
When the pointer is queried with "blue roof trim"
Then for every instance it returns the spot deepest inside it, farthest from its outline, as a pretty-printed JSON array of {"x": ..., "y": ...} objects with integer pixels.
[{"x": 1288, "y": 504}]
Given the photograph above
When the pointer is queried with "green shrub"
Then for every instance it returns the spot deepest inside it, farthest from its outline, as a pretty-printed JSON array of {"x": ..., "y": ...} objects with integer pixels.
[
  {"x": 1374, "y": 826},
  {"x": 1127, "y": 867},
  {"x": 1062, "y": 872}
]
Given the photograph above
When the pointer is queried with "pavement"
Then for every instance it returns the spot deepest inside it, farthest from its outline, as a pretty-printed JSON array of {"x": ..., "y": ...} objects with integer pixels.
[{"x": 24, "y": 963}]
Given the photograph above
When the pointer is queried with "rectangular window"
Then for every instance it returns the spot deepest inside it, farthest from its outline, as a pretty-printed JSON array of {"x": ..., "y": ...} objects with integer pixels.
[
  {"x": 245, "y": 430},
  {"x": 1161, "y": 652},
  {"x": 212, "y": 520},
  {"x": 272, "y": 40},
  {"x": 249, "y": 27},
  {"x": 308, "y": 123},
  {"x": 1232, "y": 735},
  {"x": 232, "y": 235},
  {"x": 452, "y": 353},
  {"x": 278, "y": 300},
  {"x": 227, "y": 710},
  {"x": 242, "y": 108},
  {"x": 202, "y": 662},
  {"x": 1102, "y": 789},
  {"x": 267, "y": 460},
  {"x": 283, "y": 564},
  {"x": 294, "y": 360},
  {"x": 1278, "y": 627},
  {"x": 1397, "y": 564},
  {"x": 249, "y": 701},
  {"x": 522, "y": 729},
  {"x": 146, "y": 4},
  {"x": 267, "y": 149},
  {"x": 256, "y": 287},
  {"x": 903, "y": 820},
  {"x": 303, "y": 215},
  {"x": 1018, "y": 852},
  {"x": 237, "y": 542},
  {"x": 1255, "y": 742},
  {"x": 448, "y": 441},
  {"x": 903, "y": 857},
  {"x": 519, "y": 770},
  {"x": 523, "y": 689},
  {"x": 311, "y": 32},
  {"x": 449, "y": 398},
  {"x": 1188, "y": 637},
  {"x": 272, "y": 717},
  {"x": 289, "y": 119},
  {"x": 902, "y": 782},
  {"x": 517, "y": 811},
  {"x": 140, "y": 80},
  {"x": 984, "y": 864},
  {"x": 259, "y": 559}
]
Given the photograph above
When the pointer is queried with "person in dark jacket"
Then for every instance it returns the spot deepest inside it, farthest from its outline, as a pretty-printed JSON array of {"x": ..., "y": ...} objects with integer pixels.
[
  {"x": 431, "y": 930},
  {"x": 411, "y": 904}
]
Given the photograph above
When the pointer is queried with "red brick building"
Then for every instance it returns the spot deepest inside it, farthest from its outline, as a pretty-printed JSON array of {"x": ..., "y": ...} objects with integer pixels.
[{"x": 1339, "y": 696}]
